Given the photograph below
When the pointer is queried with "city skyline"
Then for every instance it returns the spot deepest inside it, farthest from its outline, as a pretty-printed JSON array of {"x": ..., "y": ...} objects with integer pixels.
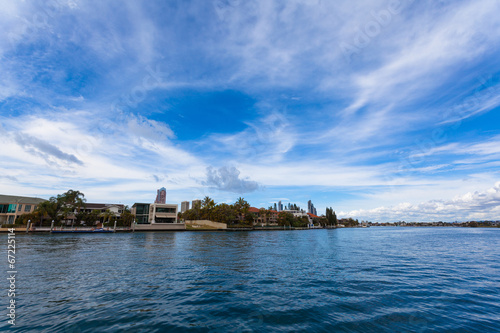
[{"x": 385, "y": 111}]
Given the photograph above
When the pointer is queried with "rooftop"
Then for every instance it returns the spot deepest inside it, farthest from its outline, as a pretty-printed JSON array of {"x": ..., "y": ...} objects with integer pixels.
[{"x": 13, "y": 199}]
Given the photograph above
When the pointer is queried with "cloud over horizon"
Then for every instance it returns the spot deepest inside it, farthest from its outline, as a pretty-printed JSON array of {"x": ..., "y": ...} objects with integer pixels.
[
  {"x": 228, "y": 179},
  {"x": 473, "y": 206}
]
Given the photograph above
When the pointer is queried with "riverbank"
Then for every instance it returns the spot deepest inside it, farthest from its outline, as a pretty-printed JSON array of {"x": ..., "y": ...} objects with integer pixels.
[{"x": 204, "y": 229}]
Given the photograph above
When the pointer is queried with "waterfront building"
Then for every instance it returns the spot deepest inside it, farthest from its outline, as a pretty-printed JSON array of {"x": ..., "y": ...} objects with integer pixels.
[
  {"x": 12, "y": 206},
  {"x": 161, "y": 196},
  {"x": 261, "y": 219},
  {"x": 116, "y": 209},
  {"x": 156, "y": 217},
  {"x": 312, "y": 217},
  {"x": 184, "y": 206}
]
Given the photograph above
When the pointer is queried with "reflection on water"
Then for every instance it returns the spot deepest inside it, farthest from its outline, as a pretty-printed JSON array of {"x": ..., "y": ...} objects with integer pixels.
[{"x": 347, "y": 280}]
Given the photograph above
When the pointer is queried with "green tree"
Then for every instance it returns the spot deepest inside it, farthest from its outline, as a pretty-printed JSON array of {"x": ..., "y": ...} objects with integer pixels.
[
  {"x": 70, "y": 202},
  {"x": 241, "y": 206},
  {"x": 92, "y": 217},
  {"x": 285, "y": 219},
  {"x": 249, "y": 219},
  {"x": 50, "y": 209},
  {"x": 126, "y": 217},
  {"x": 207, "y": 208},
  {"x": 107, "y": 215},
  {"x": 331, "y": 217}
]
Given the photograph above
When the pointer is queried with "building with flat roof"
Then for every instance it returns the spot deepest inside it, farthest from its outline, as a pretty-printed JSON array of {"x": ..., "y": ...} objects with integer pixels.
[
  {"x": 196, "y": 203},
  {"x": 184, "y": 206},
  {"x": 156, "y": 217},
  {"x": 12, "y": 206}
]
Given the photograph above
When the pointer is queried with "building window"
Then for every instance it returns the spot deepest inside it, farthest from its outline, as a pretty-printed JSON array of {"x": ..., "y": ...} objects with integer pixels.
[
  {"x": 20, "y": 207},
  {"x": 142, "y": 209},
  {"x": 143, "y": 219},
  {"x": 11, "y": 219},
  {"x": 165, "y": 220},
  {"x": 165, "y": 210},
  {"x": 12, "y": 208},
  {"x": 27, "y": 208}
]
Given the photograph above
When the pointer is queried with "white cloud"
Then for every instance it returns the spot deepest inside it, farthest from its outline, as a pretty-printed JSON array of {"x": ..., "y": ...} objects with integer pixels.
[
  {"x": 470, "y": 206},
  {"x": 96, "y": 159},
  {"x": 228, "y": 179}
]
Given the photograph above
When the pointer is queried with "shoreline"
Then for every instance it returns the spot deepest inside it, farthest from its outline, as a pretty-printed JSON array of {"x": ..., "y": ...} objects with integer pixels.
[{"x": 128, "y": 230}]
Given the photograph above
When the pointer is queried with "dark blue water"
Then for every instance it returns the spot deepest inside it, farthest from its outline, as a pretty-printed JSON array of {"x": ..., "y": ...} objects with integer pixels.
[{"x": 346, "y": 280}]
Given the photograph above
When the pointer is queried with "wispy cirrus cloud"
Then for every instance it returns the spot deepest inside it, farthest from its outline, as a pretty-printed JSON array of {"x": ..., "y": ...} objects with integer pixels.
[{"x": 44, "y": 149}]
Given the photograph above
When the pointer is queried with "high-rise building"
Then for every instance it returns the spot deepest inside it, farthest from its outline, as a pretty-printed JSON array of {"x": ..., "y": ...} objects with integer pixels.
[
  {"x": 196, "y": 203},
  {"x": 280, "y": 206},
  {"x": 161, "y": 196},
  {"x": 310, "y": 208},
  {"x": 184, "y": 206}
]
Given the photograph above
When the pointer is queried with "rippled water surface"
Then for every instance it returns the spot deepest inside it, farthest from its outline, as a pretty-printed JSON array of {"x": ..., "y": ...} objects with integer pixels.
[{"x": 345, "y": 280}]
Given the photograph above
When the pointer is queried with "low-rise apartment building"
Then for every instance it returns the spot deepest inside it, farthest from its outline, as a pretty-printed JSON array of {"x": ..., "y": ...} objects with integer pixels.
[{"x": 12, "y": 206}]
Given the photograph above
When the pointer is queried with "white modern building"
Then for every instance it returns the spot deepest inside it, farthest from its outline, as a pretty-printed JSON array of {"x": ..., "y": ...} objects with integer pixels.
[{"x": 156, "y": 217}]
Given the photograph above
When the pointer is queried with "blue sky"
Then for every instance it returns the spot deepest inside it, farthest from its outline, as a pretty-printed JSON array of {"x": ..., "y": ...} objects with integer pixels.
[{"x": 383, "y": 110}]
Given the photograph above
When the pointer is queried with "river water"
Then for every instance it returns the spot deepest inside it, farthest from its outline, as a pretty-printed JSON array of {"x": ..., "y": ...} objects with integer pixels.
[{"x": 379, "y": 279}]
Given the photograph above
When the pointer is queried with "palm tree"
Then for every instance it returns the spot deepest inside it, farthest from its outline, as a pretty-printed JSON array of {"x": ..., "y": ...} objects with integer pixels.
[
  {"x": 242, "y": 207},
  {"x": 48, "y": 208},
  {"x": 127, "y": 217},
  {"x": 70, "y": 202},
  {"x": 207, "y": 208},
  {"x": 107, "y": 215}
]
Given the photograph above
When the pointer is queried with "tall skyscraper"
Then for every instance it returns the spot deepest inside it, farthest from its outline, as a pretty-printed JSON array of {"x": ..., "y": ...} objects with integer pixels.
[
  {"x": 280, "y": 206},
  {"x": 311, "y": 209},
  {"x": 161, "y": 196},
  {"x": 184, "y": 206},
  {"x": 196, "y": 203}
]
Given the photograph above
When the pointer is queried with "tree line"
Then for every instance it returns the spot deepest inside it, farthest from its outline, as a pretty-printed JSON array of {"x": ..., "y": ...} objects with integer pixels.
[
  {"x": 72, "y": 204},
  {"x": 238, "y": 214}
]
